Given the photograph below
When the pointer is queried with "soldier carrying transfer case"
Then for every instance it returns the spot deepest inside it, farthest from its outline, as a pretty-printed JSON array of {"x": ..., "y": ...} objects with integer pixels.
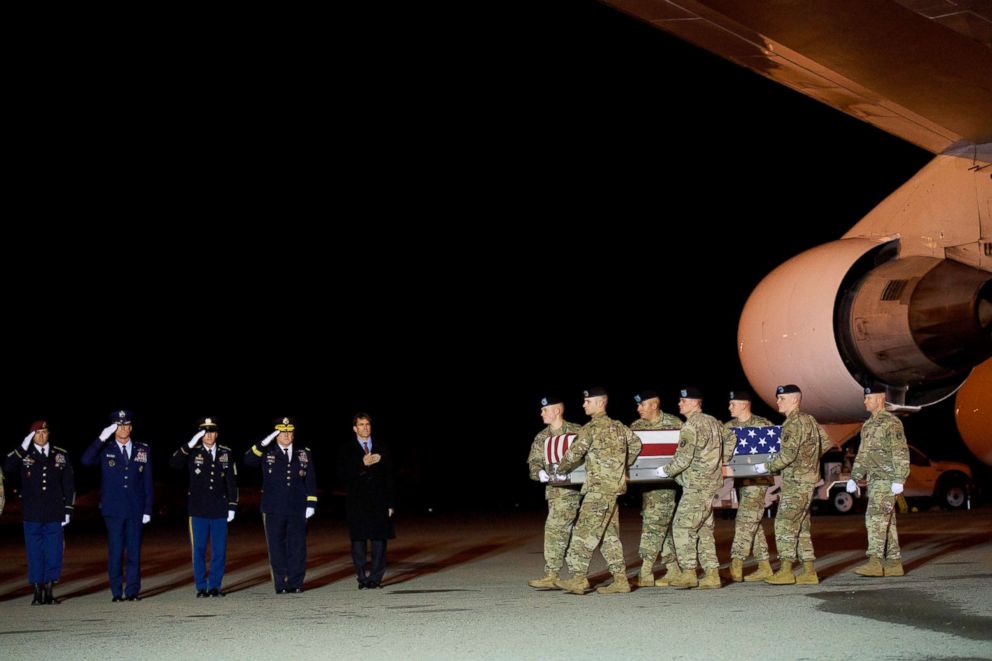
[
  {"x": 608, "y": 448},
  {"x": 563, "y": 501}
]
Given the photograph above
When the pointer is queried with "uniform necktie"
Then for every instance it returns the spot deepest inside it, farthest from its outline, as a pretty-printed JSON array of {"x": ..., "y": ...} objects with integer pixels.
[
  {"x": 365, "y": 444},
  {"x": 286, "y": 452},
  {"x": 124, "y": 452}
]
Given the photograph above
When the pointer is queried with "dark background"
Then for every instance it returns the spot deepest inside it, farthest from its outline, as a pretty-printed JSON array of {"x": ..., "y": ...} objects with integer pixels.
[{"x": 433, "y": 215}]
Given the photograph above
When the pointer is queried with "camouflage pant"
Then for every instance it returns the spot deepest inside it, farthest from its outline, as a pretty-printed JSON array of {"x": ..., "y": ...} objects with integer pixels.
[
  {"x": 657, "y": 511},
  {"x": 693, "y": 530},
  {"x": 598, "y": 520},
  {"x": 558, "y": 528},
  {"x": 792, "y": 530},
  {"x": 747, "y": 527},
  {"x": 880, "y": 520}
]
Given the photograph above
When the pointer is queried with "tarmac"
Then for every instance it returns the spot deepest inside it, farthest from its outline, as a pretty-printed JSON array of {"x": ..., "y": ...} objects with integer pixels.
[{"x": 456, "y": 588}]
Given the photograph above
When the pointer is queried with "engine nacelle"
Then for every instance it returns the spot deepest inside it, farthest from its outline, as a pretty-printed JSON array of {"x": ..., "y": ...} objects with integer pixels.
[{"x": 849, "y": 312}]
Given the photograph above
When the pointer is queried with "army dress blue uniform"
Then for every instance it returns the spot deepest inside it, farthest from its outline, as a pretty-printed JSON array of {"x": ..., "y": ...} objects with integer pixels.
[
  {"x": 213, "y": 492},
  {"x": 289, "y": 487},
  {"x": 48, "y": 494},
  {"x": 125, "y": 498}
]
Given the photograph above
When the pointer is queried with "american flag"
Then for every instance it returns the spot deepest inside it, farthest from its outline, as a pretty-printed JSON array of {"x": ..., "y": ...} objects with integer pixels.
[
  {"x": 653, "y": 444},
  {"x": 757, "y": 440}
]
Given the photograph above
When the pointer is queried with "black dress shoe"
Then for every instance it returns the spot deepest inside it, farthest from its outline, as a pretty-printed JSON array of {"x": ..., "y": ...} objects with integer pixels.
[
  {"x": 201, "y": 593},
  {"x": 217, "y": 593},
  {"x": 49, "y": 597},
  {"x": 296, "y": 591},
  {"x": 39, "y": 597},
  {"x": 133, "y": 597},
  {"x": 371, "y": 585},
  {"x": 361, "y": 585},
  {"x": 282, "y": 591},
  {"x": 116, "y": 599}
]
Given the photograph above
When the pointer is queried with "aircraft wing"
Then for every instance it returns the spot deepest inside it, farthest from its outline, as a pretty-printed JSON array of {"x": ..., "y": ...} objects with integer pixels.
[{"x": 918, "y": 69}]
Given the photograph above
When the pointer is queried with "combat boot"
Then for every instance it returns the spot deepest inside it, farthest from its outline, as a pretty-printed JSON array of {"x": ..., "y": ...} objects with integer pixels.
[
  {"x": 808, "y": 577},
  {"x": 711, "y": 580},
  {"x": 575, "y": 585},
  {"x": 783, "y": 576},
  {"x": 618, "y": 585},
  {"x": 871, "y": 568},
  {"x": 645, "y": 579},
  {"x": 893, "y": 567},
  {"x": 546, "y": 583},
  {"x": 736, "y": 570},
  {"x": 39, "y": 597},
  {"x": 671, "y": 571},
  {"x": 686, "y": 579},
  {"x": 763, "y": 571}
]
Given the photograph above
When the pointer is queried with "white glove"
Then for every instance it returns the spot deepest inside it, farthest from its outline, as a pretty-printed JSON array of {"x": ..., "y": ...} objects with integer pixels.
[
  {"x": 562, "y": 478},
  {"x": 230, "y": 515},
  {"x": 852, "y": 486},
  {"x": 310, "y": 512},
  {"x": 896, "y": 488},
  {"x": 661, "y": 472},
  {"x": 760, "y": 468},
  {"x": 542, "y": 475},
  {"x": 145, "y": 518},
  {"x": 196, "y": 437},
  {"x": 27, "y": 441},
  {"x": 268, "y": 439},
  {"x": 391, "y": 510},
  {"x": 66, "y": 520},
  {"x": 108, "y": 430}
]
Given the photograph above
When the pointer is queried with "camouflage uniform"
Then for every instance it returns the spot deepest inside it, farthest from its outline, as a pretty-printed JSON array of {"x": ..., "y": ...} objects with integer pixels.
[
  {"x": 751, "y": 506},
  {"x": 803, "y": 443},
  {"x": 657, "y": 504},
  {"x": 882, "y": 460},
  {"x": 608, "y": 447},
  {"x": 563, "y": 501},
  {"x": 698, "y": 460}
]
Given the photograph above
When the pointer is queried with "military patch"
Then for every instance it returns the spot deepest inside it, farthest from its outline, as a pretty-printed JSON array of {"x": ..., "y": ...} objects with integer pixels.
[
  {"x": 302, "y": 456},
  {"x": 111, "y": 463},
  {"x": 682, "y": 443}
]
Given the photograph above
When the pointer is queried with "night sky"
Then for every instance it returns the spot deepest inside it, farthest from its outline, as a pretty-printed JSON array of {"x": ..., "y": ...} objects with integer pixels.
[{"x": 436, "y": 222}]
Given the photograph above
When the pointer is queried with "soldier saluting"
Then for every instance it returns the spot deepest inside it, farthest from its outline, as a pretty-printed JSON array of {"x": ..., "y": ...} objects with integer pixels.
[
  {"x": 48, "y": 492},
  {"x": 289, "y": 496},
  {"x": 213, "y": 497}
]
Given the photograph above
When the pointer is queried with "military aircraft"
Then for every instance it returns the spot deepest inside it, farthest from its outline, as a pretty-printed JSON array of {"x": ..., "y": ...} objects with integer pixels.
[{"x": 905, "y": 297}]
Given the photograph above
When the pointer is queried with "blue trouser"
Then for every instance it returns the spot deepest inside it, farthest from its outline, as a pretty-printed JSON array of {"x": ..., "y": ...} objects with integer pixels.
[
  {"x": 124, "y": 533},
  {"x": 287, "y": 539},
  {"x": 202, "y": 531},
  {"x": 359, "y": 550},
  {"x": 44, "y": 543}
]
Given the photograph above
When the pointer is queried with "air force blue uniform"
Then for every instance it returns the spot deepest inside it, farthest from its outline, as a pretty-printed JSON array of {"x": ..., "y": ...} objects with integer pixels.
[
  {"x": 289, "y": 487},
  {"x": 125, "y": 496},
  {"x": 213, "y": 490},
  {"x": 48, "y": 494}
]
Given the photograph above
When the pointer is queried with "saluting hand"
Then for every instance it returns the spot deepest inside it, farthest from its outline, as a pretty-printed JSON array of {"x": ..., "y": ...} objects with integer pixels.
[
  {"x": 27, "y": 441},
  {"x": 268, "y": 439},
  {"x": 108, "y": 430},
  {"x": 196, "y": 437}
]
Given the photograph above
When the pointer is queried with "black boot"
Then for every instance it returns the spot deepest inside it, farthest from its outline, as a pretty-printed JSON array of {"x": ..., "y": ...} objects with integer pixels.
[
  {"x": 39, "y": 597},
  {"x": 49, "y": 597}
]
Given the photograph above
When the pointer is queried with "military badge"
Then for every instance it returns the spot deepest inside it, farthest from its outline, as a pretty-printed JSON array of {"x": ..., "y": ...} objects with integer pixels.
[
  {"x": 141, "y": 469},
  {"x": 302, "y": 457},
  {"x": 303, "y": 473},
  {"x": 60, "y": 460},
  {"x": 141, "y": 457},
  {"x": 222, "y": 458},
  {"x": 28, "y": 462},
  {"x": 198, "y": 460},
  {"x": 197, "y": 471},
  {"x": 111, "y": 463}
]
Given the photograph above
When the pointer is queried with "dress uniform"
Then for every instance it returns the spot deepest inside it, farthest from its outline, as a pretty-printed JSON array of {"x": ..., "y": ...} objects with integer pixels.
[
  {"x": 125, "y": 499},
  {"x": 213, "y": 497},
  {"x": 48, "y": 493},
  {"x": 289, "y": 496}
]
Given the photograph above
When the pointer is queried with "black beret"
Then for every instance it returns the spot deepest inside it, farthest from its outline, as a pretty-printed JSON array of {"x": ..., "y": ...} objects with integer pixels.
[
  {"x": 688, "y": 392},
  {"x": 740, "y": 395},
  {"x": 548, "y": 400},
  {"x": 875, "y": 390},
  {"x": 787, "y": 389},
  {"x": 645, "y": 395},
  {"x": 595, "y": 391}
]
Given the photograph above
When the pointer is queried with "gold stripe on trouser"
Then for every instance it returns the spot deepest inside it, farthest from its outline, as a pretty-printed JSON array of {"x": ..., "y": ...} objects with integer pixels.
[
  {"x": 192, "y": 546},
  {"x": 265, "y": 527}
]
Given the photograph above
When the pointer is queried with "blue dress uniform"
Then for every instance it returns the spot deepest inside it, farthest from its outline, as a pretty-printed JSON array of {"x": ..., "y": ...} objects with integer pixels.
[
  {"x": 213, "y": 490},
  {"x": 289, "y": 486},
  {"x": 48, "y": 493},
  {"x": 125, "y": 497}
]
